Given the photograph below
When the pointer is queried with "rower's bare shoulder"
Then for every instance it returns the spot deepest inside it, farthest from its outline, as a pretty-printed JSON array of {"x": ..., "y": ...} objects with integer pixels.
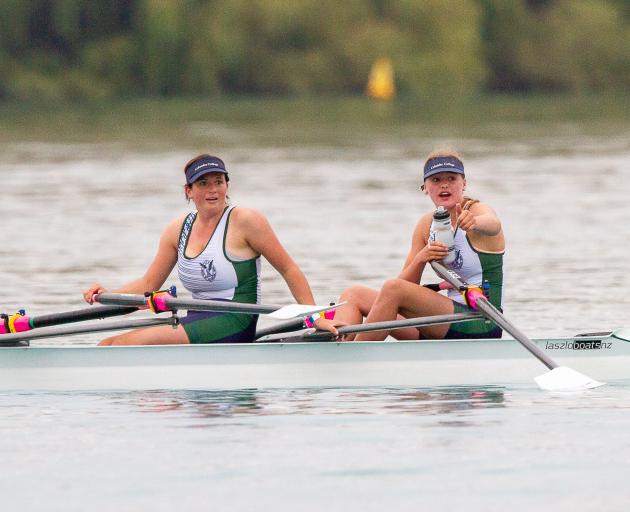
[
  {"x": 244, "y": 217},
  {"x": 423, "y": 225},
  {"x": 420, "y": 233},
  {"x": 479, "y": 208},
  {"x": 173, "y": 229},
  {"x": 176, "y": 224},
  {"x": 426, "y": 219},
  {"x": 249, "y": 223}
]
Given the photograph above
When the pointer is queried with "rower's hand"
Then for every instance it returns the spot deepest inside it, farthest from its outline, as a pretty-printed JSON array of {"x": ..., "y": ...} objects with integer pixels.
[
  {"x": 433, "y": 251},
  {"x": 92, "y": 291},
  {"x": 465, "y": 219},
  {"x": 322, "y": 324}
]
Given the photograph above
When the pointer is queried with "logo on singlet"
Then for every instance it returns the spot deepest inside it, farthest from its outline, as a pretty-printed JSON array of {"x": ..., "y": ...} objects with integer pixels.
[
  {"x": 458, "y": 262},
  {"x": 208, "y": 270}
]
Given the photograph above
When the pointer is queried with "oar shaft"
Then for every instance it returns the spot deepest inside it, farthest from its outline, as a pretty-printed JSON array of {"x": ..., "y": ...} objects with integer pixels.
[
  {"x": 409, "y": 322},
  {"x": 79, "y": 315},
  {"x": 495, "y": 315},
  {"x": 194, "y": 304},
  {"x": 491, "y": 312},
  {"x": 374, "y": 326}
]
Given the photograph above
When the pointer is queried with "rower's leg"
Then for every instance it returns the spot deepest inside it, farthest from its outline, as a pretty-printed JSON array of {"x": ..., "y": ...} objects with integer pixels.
[
  {"x": 409, "y": 300},
  {"x": 358, "y": 302},
  {"x": 160, "y": 335}
]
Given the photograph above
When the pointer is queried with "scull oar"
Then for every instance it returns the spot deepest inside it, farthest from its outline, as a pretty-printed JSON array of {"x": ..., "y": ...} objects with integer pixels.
[
  {"x": 173, "y": 304},
  {"x": 409, "y": 322},
  {"x": 559, "y": 378},
  {"x": 622, "y": 334},
  {"x": 382, "y": 326},
  {"x": 21, "y": 322},
  {"x": 51, "y": 332}
]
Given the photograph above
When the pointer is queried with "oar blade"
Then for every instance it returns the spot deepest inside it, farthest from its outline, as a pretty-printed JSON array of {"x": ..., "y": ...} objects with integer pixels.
[
  {"x": 559, "y": 378},
  {"x": 622, "y": 334},
  {"x": 563, "y": 378}
]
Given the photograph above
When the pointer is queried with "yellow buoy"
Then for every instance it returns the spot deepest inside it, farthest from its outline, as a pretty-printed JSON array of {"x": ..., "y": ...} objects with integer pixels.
[{"x": 381, "y": 80}]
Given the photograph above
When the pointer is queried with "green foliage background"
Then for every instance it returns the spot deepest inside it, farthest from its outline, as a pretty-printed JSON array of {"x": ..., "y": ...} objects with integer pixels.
[{"x": 86, "y": 49}]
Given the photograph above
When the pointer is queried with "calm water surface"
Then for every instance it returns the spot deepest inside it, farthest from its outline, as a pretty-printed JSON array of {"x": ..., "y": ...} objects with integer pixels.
[
  {"x": 344, "y": 203},
  {"x": 406, "y": 449}
]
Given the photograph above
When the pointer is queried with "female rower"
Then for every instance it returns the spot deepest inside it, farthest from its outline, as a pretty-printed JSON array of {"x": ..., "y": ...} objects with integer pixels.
[
  {"x": 479, "y": 247},
  {"x": 217, "y": 251}
]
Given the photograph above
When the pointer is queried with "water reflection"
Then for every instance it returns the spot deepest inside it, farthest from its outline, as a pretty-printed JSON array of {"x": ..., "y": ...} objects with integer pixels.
[{"x": 212, "y": 404}]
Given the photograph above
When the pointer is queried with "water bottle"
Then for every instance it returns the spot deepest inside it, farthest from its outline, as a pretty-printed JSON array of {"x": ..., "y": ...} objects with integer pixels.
[{"x": 441, "y": 231}]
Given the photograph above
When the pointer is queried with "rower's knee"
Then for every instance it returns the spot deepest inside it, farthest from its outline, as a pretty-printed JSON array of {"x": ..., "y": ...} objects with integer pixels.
[
  {"x": 353, "y": 294},
  {"x": 356, "y": 305},
  {"x": 118, "y": 339},
  {"x": 392, "y": 287}
]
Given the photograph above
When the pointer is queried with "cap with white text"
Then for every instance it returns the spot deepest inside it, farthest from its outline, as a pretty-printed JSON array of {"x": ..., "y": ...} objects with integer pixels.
[
  {"x": 443, "y": 164},
  {"x": 204, "y": 165}
]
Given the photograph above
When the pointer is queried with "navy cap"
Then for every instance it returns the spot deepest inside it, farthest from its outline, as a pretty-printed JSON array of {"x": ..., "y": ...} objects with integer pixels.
[
  {"x": 443, "y": 164},
  {"x": 203, "y": 166}
]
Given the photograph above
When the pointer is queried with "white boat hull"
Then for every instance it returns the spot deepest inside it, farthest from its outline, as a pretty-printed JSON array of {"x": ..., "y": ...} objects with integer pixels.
[{"x": 306, "y": 364}]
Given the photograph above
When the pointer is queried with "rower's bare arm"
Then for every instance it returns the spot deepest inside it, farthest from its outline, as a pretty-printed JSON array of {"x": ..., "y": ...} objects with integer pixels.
[
  {"x": 419, "y": 253},
  {"x": 162, "y": 264},
  {"x": 483, "y": 228},
  {"x": 412, "y": 269},
  {"x": 480, "y": 219},
  {"x": 260, "y": 237}
]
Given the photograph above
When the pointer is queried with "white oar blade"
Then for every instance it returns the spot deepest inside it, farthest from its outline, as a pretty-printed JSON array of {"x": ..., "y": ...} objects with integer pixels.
[
  {"x": 622, "y": 334},
  {"x": 297, "y": 310},
  {"x": 564, "y": 378}
]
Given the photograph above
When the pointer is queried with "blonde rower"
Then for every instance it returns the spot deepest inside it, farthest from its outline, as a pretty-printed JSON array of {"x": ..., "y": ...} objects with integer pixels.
[{"x": 479, "y": 246}]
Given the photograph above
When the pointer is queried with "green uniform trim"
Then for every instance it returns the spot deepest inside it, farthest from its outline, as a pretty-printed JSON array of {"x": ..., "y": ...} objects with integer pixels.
[
  {"x": 246, "y": 273},
  {"x": 226, "y": 325},
  {"x": 492, "y": 271}
]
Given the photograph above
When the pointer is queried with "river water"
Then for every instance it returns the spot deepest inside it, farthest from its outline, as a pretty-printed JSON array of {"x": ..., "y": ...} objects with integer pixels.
[{"x": 80, "y": 207}]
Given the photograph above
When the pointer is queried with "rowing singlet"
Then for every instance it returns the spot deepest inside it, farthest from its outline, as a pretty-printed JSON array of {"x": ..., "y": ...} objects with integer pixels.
[
  {"x": 213, "y": 274},
  {"x": 475, "y": 267}
]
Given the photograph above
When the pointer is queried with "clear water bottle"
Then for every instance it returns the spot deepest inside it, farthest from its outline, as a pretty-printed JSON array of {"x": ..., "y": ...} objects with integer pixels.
[{"x": 441, "y": 231}]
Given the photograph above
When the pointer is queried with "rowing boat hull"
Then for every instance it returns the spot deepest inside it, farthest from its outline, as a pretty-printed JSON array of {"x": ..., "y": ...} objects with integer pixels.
[{"x": 306, "y": 364}]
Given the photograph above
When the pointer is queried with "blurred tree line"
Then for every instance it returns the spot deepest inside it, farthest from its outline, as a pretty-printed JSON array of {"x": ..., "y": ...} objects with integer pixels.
[{"x": 94, "y": 49}]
